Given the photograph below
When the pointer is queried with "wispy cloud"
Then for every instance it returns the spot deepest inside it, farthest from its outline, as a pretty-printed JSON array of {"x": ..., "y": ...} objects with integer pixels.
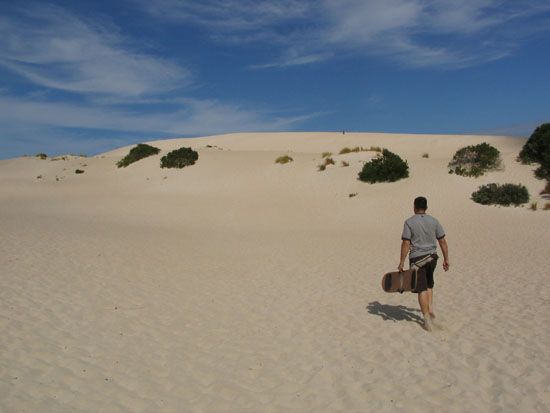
[
  {"x": 53, "y": 48},
  {"x": 21, "y": 118},
  {"x": 81, "y": 76},
  {"x": 413, "y": 32}
]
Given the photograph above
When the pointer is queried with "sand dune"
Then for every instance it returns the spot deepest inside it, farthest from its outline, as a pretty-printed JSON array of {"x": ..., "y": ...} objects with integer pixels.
[{"x": 241, "y": 285}]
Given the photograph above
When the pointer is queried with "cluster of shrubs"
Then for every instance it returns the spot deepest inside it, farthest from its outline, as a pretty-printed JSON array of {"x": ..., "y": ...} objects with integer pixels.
[
  {"x": 386, "y": 167},
  {"x": 475, "y": 160},
  {"x": 506, "y": 194},
  {"x": 178, "y": 158},
  {"x": 136, "y": 153},
  {"x": 537, "y": 150}
]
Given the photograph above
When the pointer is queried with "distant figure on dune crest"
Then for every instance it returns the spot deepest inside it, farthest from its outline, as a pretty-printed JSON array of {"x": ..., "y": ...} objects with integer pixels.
[{"x": 420, "y": 233}]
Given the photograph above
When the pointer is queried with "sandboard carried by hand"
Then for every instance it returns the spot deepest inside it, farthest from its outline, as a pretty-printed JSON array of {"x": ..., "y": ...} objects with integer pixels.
[{"x": 399, "y": 282}]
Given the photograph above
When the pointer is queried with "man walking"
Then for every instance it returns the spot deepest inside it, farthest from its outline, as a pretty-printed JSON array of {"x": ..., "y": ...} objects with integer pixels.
[{"x": 420, "y": 233}]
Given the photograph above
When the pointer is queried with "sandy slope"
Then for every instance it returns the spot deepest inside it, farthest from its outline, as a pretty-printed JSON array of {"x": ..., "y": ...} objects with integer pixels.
[{"x": 240, "y": 285}]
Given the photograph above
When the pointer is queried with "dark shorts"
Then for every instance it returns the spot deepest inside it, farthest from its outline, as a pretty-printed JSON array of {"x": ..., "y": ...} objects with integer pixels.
[{"x": 425, "y": 275}]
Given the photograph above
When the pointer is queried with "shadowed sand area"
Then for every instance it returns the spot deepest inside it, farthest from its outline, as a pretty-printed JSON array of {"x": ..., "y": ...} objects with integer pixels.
[{"x": 241, "y": 285}]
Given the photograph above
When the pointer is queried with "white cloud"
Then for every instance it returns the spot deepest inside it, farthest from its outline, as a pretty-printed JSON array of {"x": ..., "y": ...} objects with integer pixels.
[
  {"x": 229, "y": 15},
  {"x": 116, "y": 90},
  {"x": 24, "y": 118},
  {"x": 55, "y": 49},
  {"x": 413, "y": 32}
]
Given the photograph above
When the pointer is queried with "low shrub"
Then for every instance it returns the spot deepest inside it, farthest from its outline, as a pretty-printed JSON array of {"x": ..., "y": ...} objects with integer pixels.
[
  {"x": 506, "y": 194},
  {"x": 328, "y": 161},
  {"x": 179, "y": 158},
  {"x": 425, "y": 155},
  {"x": 344, "y": 163},
  {"x": 41, "y": 156},
  {"x": 533, "y": 206},
  {"x": 375, "y": 149},
  {"x": 138, "y": 152},
  {"x": 354, "y": 194},
  {"x": 78, "y": 171},
  {"x": 546, "y": 206},
  {"x": 475, "y": 160},
  {"x": 387, "y": 167},
  {"x": 358, "y": 149},
  {"x": 326, "y": 154},
  {"x": 537, "y": 149},
  {"x": 284, "y": 159},
  {"x": 59, "y": 158}
]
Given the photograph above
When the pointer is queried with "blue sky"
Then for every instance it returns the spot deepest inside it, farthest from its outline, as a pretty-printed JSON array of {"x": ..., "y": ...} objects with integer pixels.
[{"x": 88, "y": 76}]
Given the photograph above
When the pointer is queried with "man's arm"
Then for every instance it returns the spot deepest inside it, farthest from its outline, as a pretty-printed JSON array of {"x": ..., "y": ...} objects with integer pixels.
[
  {"x": 405, "y": 246},
  {"x": 445, "y": 250}
]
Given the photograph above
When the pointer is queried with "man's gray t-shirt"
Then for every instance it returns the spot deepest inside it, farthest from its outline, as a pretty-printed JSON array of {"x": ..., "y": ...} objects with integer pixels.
[{"x": 422, "y": 231}]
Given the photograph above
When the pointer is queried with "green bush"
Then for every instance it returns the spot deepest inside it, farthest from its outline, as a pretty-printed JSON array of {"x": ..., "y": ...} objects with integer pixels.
[
  {"x": 475, "y": 160},
  {"x": 179, "y": 158},
  {"x": 387, "y": 167},
  {"x": 284, "y": 159},
  {"x": 537, "y": 149},
  {"x": 78, "y": 171},
  {"x": 506, "y": 194},
  {"x": 136, "y": 153},
  {"x": 41, "y": 156}
]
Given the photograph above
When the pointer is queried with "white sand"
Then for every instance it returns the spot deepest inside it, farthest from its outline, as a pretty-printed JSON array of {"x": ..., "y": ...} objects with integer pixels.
[{"x": 239, "y": 285}]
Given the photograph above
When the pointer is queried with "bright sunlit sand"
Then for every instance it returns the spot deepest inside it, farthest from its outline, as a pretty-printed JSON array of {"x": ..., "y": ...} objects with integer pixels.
[{"x": 242, "y": 285}]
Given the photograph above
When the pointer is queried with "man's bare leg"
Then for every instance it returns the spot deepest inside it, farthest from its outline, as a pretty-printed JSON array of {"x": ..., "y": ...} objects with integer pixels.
[
  {"x": 431, "y": 302},
  {"x": 424, "y": 301}
]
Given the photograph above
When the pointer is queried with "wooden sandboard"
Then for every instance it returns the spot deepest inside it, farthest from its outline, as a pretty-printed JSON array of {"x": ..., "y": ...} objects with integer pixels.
[{"x": 391, "y": 281}]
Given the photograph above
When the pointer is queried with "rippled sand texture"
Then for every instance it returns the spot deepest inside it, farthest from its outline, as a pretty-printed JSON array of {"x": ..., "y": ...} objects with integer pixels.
[{"x": 241, "y": 285}]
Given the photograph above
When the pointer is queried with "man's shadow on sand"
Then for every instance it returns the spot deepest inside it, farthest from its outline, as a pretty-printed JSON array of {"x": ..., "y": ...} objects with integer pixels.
[{"x": 394, "y": 312}]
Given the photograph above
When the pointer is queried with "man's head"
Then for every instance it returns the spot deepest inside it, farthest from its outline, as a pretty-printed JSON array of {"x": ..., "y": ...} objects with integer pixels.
[{"x": 420, "y": 204}]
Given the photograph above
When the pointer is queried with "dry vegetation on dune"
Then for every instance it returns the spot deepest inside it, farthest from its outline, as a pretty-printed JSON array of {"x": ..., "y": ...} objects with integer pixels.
[
  {"x": 284, "y": 159},
  {"x": 475, "y": 160}
]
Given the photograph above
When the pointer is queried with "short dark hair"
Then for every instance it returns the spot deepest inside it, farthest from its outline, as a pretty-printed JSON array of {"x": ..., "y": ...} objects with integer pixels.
[{"x": 421, "y": 203}]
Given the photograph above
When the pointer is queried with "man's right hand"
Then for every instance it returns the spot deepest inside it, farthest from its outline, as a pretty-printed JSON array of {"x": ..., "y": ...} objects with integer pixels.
[{"x": 446, "y": 265}]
